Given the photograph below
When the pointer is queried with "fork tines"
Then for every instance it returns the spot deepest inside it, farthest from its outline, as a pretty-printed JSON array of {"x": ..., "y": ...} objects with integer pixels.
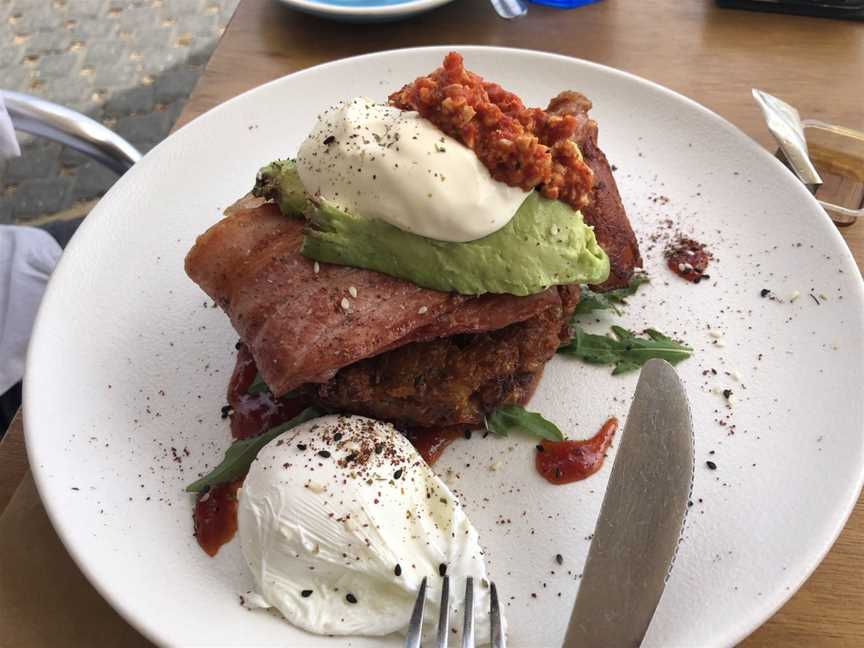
[{"x": 415, "y": 627}]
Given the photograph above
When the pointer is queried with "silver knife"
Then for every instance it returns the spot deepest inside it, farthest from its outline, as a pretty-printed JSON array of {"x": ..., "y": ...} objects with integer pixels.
[{"x": 642, "y": 517}]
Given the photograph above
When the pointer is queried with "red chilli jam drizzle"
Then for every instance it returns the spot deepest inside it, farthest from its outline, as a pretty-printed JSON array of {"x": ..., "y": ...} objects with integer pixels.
[
  {"x": 215, "y": 516},
  {"x": 562, "y": 462},
  {"x": 254, "y": 414},
  {"x": 431, "y": 443},
  {"x": 688, "y": 259}
]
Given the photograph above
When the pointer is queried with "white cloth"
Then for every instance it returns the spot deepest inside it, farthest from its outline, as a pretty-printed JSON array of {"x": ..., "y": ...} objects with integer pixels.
[
  {"x": 8, "y": 142},
  {"x": 27, "y": 259}
]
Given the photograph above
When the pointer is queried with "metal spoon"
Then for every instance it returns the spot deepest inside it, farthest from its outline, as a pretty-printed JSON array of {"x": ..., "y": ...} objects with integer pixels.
[{"x": 510, "y": 8}]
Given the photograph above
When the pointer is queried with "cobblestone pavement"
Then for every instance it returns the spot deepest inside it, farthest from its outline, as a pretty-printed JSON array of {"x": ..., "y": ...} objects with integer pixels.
[{"x": 130, "y": 65}]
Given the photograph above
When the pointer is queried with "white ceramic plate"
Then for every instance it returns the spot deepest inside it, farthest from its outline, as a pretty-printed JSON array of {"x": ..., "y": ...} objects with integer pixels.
[
  {"x": 364, "y": 10},
  {"x": 128, "y": 370}
]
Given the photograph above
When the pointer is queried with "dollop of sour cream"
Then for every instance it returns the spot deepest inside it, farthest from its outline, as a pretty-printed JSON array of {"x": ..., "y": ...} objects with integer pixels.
[
  {"x": 339, "y": 521},
  {"x": 376, "y": 161}
]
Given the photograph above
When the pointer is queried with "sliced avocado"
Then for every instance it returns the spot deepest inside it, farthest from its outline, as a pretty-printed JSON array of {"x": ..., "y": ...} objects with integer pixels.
[
  {"x": 280, "y": 182},
  {"x": 545, "y": 244}
]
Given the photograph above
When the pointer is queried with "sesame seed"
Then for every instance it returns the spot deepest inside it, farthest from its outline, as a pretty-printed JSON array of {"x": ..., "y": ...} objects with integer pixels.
[
  {"x": 350, "y": 598},
  {"x": 324, "y": 453},
  {"x": 306, "y": 593},
  {"x": 345, "y": 304},
  {"x": 442, "y": 569},
  {"x": 422, "y": 310},
  {"x": 711, "y": 465},
  {"x": 352, "y": 291},
  {"x": 398, "y": 570},
  {"x": 316, "y": 267}
]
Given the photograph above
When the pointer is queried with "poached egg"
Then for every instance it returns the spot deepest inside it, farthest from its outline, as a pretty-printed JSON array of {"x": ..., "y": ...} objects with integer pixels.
[
  {"x": 339, "y": 521},
  {"x": 376, "y": 161}
]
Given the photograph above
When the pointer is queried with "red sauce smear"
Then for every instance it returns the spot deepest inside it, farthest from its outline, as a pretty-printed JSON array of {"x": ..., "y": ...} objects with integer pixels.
[
  {"x": 431, "y": 443},
  {"x": 254, "y": 414},
  {"x": 688, "y": 259},
  {"x": 215, "y": 516},
  {"x": 562, "y": 462}
]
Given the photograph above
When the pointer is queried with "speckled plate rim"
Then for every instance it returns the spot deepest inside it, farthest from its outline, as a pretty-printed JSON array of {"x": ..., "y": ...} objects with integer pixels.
[{"x": 737, "y": 629}]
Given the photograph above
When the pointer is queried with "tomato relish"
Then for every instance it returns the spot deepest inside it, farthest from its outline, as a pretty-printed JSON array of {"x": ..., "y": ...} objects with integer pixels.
[{"x": 522, "y": 147}]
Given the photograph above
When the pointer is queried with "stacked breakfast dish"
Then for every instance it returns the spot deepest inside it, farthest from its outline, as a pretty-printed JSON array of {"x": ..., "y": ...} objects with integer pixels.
[{"x": 400, "y": 282}]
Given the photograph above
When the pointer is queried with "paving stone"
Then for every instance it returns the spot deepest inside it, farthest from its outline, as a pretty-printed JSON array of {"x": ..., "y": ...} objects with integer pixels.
[
  {"x": 17, "y": 79},
  {"x": 66, "y": 92},
  {"x": 92, "y": 180},
  {"x": 201, "y": 52},
  {"x": 143, "y": 131},
  {"x": 154, "y": 39},
  {"x": 175, "y": 83},
  {"x": 70, "y": 158},
  {"x": 10, "y": 54},
  {"x": 47, "y": 42},
  {"x": 87, "y": 30},
  {"x": 88, "y": 7},
  {"x": 177, "y": 8},
  {"x": 132, "y": 18},
  {"x": 123, "y": 75},
  {"x": 198, "y": 25},
  {"x": 40, "y": 161},
  {"x": 39, "y": 16},
  {"x": 129, "y": 102},
  {"x": 106, "y": 53},
  {"x": 41, "y": 196},
  {"x": 6, "y": 212},
  {"x": 157, "y": 61},
  {"x": 54, "y": 66}
]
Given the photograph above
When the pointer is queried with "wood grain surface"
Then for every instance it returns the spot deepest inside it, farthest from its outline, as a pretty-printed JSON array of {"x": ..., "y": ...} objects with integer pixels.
[{"x": 711, "y": 55}]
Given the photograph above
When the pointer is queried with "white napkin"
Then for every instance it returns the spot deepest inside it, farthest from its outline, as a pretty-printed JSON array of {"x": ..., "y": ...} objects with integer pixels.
[
  {"x": 8, "y": 142},
  {"x": 27, "y": 259}
]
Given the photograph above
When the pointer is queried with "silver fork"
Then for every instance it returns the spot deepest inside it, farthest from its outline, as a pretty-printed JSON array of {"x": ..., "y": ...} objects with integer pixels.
[{"x": 415, "y": 627}]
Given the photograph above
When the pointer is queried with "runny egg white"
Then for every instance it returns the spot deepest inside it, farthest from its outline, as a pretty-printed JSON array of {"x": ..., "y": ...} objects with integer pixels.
[{"x": 339, "y": 521}]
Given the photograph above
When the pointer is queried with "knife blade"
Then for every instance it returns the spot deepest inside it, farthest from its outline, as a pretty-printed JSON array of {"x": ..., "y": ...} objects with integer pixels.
[{"x": 641, "y": 518}]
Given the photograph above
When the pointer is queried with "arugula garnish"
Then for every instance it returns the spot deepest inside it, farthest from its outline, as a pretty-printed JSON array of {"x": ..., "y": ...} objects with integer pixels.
[
  {"x": 258, "y": 385},
  {"x": 591, "y": 301},
  {"x": 626, "y": 351},
  {"x": 514, "y": 417},
  {"x": 240, "y": 455}
]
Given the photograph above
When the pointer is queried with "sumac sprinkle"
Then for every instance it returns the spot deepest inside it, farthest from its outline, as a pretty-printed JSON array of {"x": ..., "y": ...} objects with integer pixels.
[
  {"x": 324, "y": 453},
  {"x": 306, "y": 593},
  {"x": 398, "y": 570},
  {"x": 350, "y": 598}
]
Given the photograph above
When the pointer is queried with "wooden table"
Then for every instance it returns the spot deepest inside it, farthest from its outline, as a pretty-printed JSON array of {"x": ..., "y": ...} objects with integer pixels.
[{"x": 714, "y": 56}]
